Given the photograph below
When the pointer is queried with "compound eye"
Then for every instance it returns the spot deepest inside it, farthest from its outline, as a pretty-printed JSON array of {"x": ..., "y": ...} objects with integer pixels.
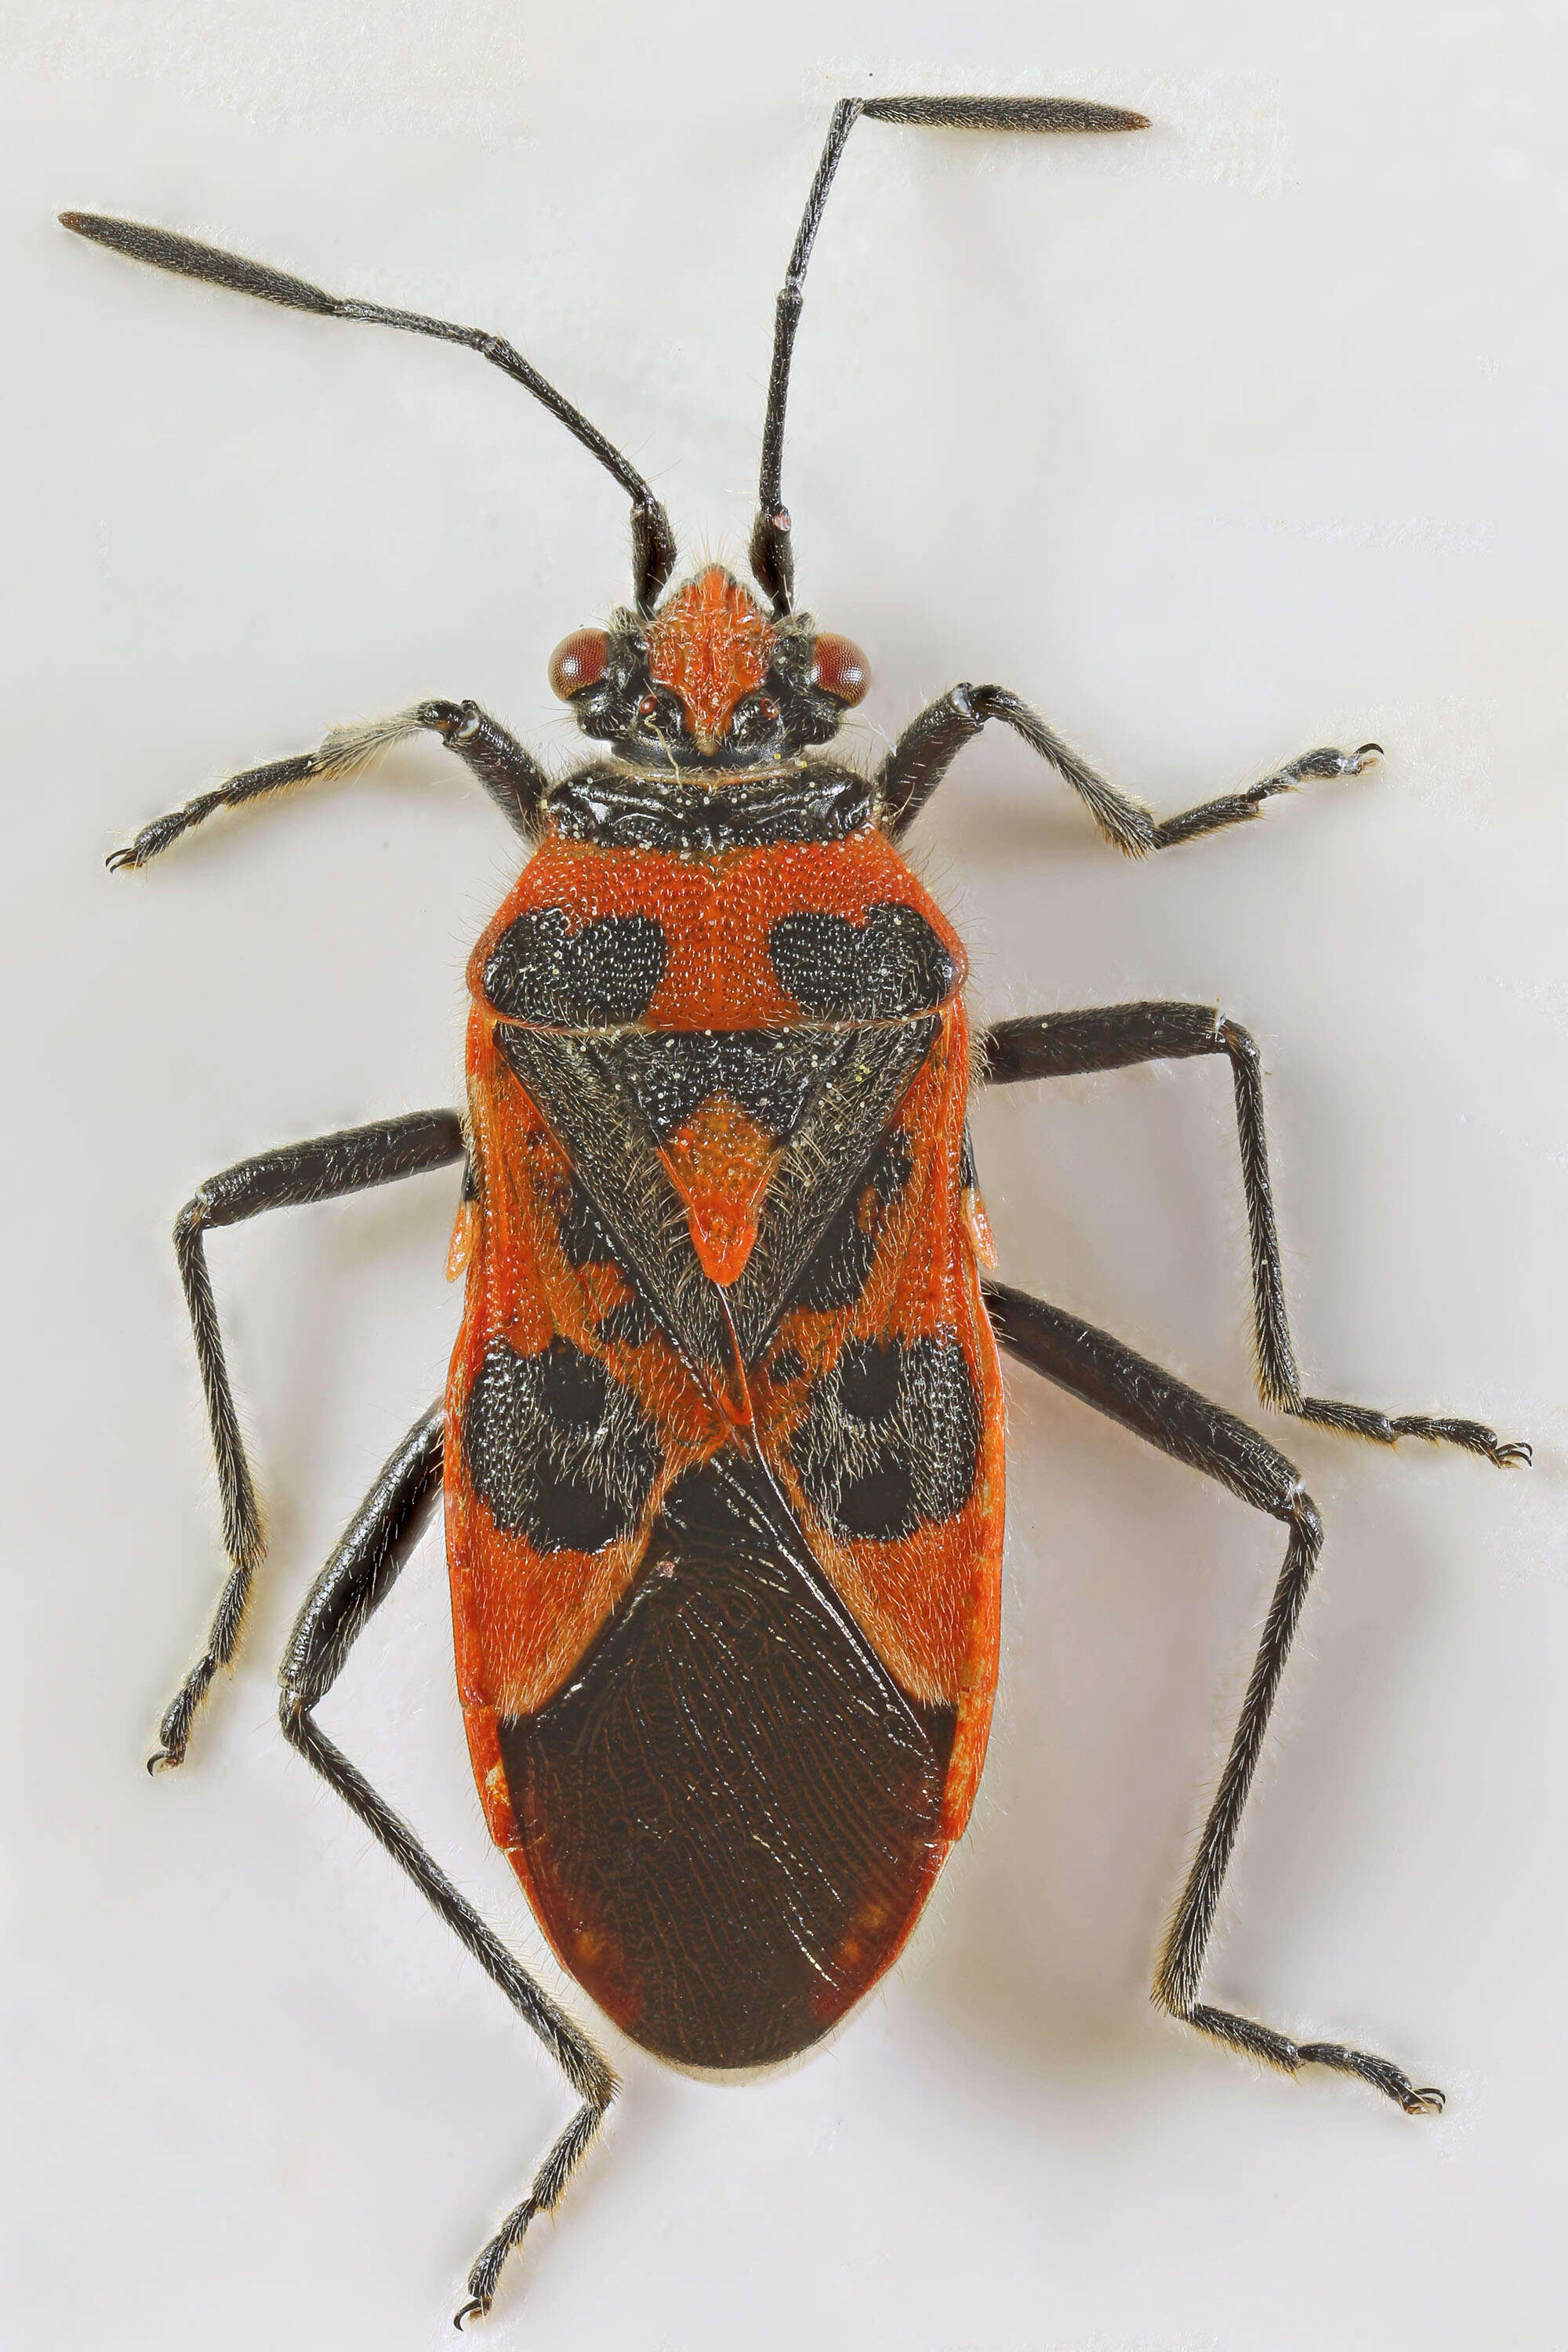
[
  {"x": 840, "y": 668},
  {"x": 578, "y": 661}
]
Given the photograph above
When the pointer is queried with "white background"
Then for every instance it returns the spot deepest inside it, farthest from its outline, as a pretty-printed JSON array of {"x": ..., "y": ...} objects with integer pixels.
[{"x": 1236, "y": 437}]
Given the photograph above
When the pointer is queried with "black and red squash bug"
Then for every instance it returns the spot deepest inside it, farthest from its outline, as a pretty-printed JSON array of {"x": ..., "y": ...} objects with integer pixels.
[{"x": 721, "y": 1445}]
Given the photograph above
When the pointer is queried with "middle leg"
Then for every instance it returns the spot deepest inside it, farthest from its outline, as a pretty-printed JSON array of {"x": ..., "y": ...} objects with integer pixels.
[
  {"x": 1113, "y": 1036},
  {"x": 1110, "y": 1377},
  {"x": 325, "y": 1169}
]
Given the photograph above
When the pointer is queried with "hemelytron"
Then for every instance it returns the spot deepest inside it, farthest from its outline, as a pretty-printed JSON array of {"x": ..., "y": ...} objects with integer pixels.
[{"x": 721, "y": 1446}]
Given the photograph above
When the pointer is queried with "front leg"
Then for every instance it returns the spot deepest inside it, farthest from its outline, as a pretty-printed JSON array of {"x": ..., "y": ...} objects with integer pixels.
[
  {"x": 928, "y": 746},
  {"x": 1150, "y": 1401},
  {"x": 513, "y": 779}
]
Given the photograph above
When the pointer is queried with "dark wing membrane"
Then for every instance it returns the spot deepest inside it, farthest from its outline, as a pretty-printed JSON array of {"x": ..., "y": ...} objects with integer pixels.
[
  {"x": 730, "y": 1813},
  {"x": 858, "y": 1074}
]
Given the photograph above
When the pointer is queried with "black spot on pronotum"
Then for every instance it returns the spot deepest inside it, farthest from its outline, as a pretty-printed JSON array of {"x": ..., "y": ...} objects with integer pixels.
[
  {"x": 599, "y": 977},
  {"x": 892, "y": 963},
  {"x": 890, "y": 1437},
  {"x": 557, "y": 1449}
]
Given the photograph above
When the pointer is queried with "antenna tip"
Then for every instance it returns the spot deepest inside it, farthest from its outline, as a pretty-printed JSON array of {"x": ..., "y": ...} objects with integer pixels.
[
  {"x": 955, "y": 114},
  {"x": 96, "y": 225}
]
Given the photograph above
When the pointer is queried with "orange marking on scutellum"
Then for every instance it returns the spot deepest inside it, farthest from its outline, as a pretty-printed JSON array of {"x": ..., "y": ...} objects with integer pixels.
[
  {"x": 721, "y": 1162},
  {"x": 711, "y": 644}
]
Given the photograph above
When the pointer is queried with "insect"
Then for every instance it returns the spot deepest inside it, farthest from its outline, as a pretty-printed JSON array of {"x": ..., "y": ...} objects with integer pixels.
[{"x": 720, "y": 1447}]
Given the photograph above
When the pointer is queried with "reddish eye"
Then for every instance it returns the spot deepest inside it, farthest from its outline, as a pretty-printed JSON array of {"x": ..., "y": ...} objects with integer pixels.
[
  {"x": 578, "y": 661},
  {"x": 840, "y": 668}
]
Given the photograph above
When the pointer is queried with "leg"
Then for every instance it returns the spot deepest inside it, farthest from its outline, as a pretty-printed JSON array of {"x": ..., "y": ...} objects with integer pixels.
[
  {"x": 513, "y": 780},
  {"x": 1137, "y": 1393},
  {"x": 323, "y": 1171},
  {"x": 1109, "y": 1037},
  {"x": 928, "y": 744},
  {"x": 356, "y": 1581},
  {"x": 771, "y": 562}
]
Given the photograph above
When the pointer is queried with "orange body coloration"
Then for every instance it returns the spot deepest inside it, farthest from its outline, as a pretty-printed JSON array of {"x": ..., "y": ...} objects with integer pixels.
[
  {"x": 711, "y": 644},
  {"x": 925, "y": 1598},
  {"x": 720, "y": 1162}
]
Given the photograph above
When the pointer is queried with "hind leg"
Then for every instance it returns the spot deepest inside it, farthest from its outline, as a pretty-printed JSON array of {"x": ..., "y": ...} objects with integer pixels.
[
  {"x": 1131, "y": 1390},
  {"x": 360, "y": 1573}
]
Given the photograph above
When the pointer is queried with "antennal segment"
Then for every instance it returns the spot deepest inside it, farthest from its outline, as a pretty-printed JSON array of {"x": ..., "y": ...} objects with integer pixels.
[
  {"x": 772, "y": 560},
  {"x": 653, "y": 541}
]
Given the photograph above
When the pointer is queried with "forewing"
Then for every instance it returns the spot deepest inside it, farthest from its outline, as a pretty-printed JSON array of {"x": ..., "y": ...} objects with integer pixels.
[{"x": 878, "y": 1407}]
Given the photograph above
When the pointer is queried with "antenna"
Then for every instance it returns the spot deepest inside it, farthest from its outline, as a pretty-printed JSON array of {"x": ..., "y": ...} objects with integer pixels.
[
  {"x": 653, "y": 541},
  {"x": 772, "y": 560}
]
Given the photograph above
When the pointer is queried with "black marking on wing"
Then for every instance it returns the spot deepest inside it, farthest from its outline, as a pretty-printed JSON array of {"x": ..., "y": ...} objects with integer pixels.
[
  {"x": 583, "y": 1238},
  {"x": 892, "y": 963},
  {"x": 890, "y": 1439},
  {"x": 840, "y": 1268},
  {"x": 615, "y": 1160},
  {"x": 632, "y": 1324},
  {"x": 822, "y": 1167},
  {"x": 730, "y": 1809},
  {"x": 604, "y": 974},
  {"x": 558, "y": 1450},
  {"x": 585, "y": 1241}
]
